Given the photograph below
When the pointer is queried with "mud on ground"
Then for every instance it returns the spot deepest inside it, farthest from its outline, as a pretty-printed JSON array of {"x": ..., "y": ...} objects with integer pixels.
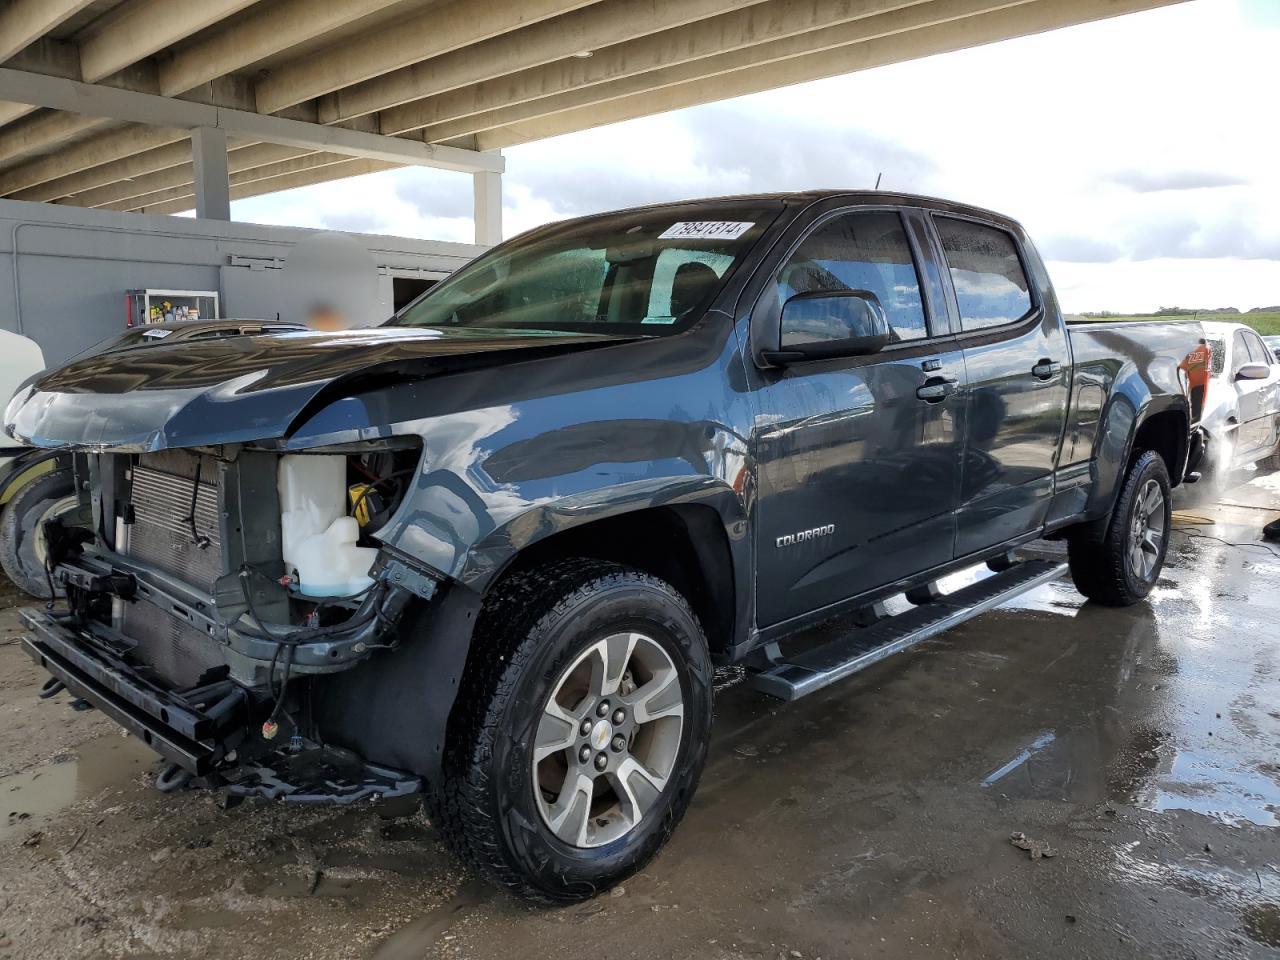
[{"x": 1139, "y": 747}]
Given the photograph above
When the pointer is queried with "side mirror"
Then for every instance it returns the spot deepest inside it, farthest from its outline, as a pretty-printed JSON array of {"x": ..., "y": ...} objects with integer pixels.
[
  {"x": 843, "y": 323},
  {"x": 1253, "y": 371}
]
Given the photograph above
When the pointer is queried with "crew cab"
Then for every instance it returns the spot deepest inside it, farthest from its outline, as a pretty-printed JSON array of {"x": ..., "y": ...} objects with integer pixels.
[{"x": 492, "y": 550}]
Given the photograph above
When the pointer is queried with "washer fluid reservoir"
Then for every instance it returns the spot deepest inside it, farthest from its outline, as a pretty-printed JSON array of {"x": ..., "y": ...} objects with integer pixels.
[{"x": 319, "y": 539}]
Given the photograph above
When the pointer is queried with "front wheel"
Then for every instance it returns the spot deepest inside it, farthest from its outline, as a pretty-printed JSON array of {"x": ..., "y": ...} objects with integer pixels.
[
  {"x": 22, "y": 544},
  {"x": 580, "y": 732},
  {"x": 1122, "y": 568}
]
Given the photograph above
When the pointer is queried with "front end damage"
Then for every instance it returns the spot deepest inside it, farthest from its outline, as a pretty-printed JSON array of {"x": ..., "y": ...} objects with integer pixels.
[{"x": 189, "y": 622}]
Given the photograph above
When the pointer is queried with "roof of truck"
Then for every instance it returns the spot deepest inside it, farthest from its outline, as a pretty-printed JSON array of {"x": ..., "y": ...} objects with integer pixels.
[{"x": 804, "y": 197}]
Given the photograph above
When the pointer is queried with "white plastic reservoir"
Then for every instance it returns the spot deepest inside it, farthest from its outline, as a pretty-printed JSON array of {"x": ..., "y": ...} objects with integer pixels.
[{"x": 319, "y": 538}]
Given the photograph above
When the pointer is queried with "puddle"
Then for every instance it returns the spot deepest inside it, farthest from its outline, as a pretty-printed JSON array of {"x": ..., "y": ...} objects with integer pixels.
[
  {"x": 28, "y": 800},
  {"x": 1202, "y": 784},
  {"x": 1036, "y": 745}
]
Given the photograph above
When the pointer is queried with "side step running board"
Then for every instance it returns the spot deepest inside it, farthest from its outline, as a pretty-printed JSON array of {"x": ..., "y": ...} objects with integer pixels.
[{"x": 811, "y": 670}]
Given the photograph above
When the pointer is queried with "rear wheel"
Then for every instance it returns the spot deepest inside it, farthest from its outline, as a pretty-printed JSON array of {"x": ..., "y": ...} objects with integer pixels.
[
  {"x": 22, "y": 543},
  {"x": 1121, "y": 569},
  {"x": 581, "y": 730}
]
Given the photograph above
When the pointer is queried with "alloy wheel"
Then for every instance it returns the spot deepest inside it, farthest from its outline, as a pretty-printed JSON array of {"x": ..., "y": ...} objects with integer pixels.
[
  {"x": 607, "y": 740},
  {"x": 1146, "y": 531}
]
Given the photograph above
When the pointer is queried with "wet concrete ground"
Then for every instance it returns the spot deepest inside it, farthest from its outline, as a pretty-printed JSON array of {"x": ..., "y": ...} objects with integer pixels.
[{"x": 1142, "y": 746}]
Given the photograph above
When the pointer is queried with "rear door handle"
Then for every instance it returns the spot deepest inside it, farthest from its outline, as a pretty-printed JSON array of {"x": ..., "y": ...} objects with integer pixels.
[
  {"x": 937, "y": 389},
  {"x": 1046, "y": 369}
]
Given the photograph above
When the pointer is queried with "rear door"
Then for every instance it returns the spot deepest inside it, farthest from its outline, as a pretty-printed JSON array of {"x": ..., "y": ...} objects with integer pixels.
[
  {"x": 1268, "y": 390},
  {"x": 1018, "y": 368},
  {"x": 858, "y": 457},
  {"x": 1257, "y": 399}
]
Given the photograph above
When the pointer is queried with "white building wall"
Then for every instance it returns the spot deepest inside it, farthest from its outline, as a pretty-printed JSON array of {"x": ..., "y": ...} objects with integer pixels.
[{"x": 64, "y": 270}]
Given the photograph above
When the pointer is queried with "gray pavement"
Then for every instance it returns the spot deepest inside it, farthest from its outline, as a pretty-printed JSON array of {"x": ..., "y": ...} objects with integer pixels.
[{"x": 1140, "y": 746}]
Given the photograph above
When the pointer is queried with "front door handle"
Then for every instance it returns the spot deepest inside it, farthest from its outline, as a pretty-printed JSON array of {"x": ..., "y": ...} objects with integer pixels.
[
  {"x": 937, "y": 389},
  {"x": 1046, "y": 369}
]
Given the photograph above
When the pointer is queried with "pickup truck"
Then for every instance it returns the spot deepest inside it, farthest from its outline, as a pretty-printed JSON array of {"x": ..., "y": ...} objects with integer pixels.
[{"x": 492, "y": 551}]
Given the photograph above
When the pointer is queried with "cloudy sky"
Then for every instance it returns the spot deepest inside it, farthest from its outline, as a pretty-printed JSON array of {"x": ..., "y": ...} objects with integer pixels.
[{"x": 1143, "y": 154}]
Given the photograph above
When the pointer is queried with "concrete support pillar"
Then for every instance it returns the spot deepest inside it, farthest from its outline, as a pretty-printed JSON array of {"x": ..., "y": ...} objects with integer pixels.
[
  {"x": 212, "y": 183},
  {"x": 488, "y": 209}
]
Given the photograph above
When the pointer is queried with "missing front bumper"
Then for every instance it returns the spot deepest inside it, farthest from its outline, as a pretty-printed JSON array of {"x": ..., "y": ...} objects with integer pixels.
[
  {"x": 195, "y": 731},
  {"x": 199, "y": 732}
]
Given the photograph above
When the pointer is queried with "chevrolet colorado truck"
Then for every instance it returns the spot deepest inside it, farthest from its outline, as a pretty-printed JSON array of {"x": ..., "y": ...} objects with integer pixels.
[{"x": 491, "y": 551}]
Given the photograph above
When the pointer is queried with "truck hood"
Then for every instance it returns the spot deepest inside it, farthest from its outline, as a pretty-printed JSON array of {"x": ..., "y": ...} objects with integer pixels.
[{"x": 244, "y": 389}]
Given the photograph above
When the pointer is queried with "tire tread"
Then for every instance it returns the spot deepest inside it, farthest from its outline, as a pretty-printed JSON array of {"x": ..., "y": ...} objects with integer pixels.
[{"x": 506, "y": 638}]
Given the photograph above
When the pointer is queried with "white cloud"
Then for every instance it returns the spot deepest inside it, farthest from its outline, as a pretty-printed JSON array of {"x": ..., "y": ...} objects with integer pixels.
[{"x": 1137, "y": 150}]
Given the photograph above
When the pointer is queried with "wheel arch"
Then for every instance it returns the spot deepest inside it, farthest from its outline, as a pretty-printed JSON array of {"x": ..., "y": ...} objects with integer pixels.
[
  {"x": 1161, "y": 423},
  {"x": 692, "y": 546}
]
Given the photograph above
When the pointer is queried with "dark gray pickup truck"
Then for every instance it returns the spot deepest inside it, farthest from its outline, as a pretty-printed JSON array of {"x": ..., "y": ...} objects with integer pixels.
[{"x": 490, "y": 551}]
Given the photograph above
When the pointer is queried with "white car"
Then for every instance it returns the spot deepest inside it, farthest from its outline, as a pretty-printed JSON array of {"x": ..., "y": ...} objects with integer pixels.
[{"x": 1242, "y": 405}]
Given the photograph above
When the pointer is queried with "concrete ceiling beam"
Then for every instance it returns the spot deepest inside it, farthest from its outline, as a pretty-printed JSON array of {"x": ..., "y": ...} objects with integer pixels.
[
  {"x": 782, "y": 37},
  {"x": 1035, "y": 17},
  {"x": 250, "y": 174},
  {"x": 139, "y": 28},
  {"x": 23, "y": 22},
  {"x": 346, "y": 167},
  {"x": 581, "y": 31},
  {"x": 430, "y": 33},
  {"x": 264, "y": 32},
  {"x": 96, "y": 100},
  {"x": 180, "y": 174},
  {"x": 743, "y": 29}
]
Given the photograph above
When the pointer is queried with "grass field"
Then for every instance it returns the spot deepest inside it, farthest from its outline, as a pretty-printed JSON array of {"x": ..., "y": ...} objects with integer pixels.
[{"x": 1264, "y": 323}]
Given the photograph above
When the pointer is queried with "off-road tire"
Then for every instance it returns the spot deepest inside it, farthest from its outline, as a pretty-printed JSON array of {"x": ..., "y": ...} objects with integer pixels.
[
  {"x": 29, "y": 507},
  {"x": 534, "y": 626},
  {"x": 1099, "y": 568}
]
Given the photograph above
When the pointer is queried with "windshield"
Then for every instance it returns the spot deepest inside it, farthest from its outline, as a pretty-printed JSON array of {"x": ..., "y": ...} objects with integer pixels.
[{"x": 647, "y": 271}]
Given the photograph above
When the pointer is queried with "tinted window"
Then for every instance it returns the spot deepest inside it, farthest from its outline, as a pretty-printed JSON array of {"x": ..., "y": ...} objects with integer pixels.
[
  {"x": 672, "y": 276},
  {"x": 860, "y": 251},
  {"x": 991, "y": 286},
  {"x": 646, "y": 272}
]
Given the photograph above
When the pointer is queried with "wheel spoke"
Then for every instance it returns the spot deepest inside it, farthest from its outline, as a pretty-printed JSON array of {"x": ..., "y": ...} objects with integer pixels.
[
  {"x": 556, "y": 731},
  {"x": 609, "y": 662},
  {"x": 1151, "y": 542},
  {"x": 637, "y": 787},
  {"x": 660, "y": 697},
  {"x": 1153, "y": 501},
  {"x": 568, "y": 816}
]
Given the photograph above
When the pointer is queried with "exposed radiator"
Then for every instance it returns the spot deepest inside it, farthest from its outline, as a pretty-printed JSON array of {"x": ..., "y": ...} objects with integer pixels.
[{"x": 162, "y": 534}]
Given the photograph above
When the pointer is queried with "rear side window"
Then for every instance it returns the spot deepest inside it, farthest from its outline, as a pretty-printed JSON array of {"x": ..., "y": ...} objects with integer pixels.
[
  {"x": 991, "y": 285},
  {"x": 1217, "y": 355},
  {"x": 678, "y": 271},
  {"x": 860, "y": 251}
]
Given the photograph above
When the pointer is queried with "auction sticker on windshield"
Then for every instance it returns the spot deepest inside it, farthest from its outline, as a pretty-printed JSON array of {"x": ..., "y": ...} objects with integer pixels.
[{"x": 705, "y": 230}]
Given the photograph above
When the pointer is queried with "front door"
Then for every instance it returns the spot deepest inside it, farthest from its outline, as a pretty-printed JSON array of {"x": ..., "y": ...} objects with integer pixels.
[
  {"x": 858, "y": 457},
  {"x": 1018, "y": 367}
]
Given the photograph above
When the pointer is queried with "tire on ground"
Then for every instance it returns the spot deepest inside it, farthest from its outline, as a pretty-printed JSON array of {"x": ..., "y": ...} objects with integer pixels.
[
  {"x": 534, "y": 626},
  {"x": 1101, "y": 569},
  {"x": 21, "y": 551}
]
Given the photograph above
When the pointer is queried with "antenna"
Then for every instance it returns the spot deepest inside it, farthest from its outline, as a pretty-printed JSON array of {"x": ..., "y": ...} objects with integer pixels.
[{"x": 878, "y": 176}]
